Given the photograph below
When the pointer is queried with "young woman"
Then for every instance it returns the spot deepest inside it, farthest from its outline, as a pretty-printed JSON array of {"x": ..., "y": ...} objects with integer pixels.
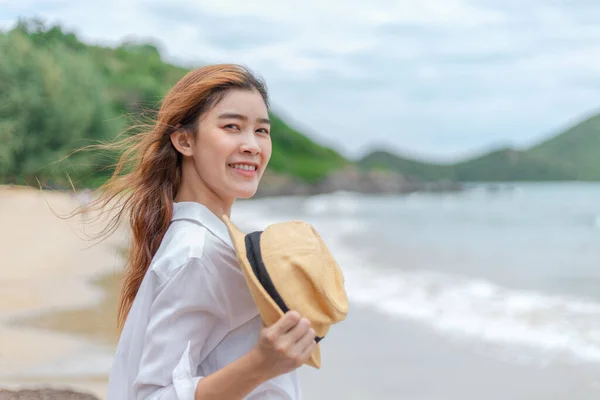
[{"x": 190, "y": 329}]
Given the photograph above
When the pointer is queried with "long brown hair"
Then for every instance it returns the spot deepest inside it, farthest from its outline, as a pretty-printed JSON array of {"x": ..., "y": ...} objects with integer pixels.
[{"x": 147, "y": 175}]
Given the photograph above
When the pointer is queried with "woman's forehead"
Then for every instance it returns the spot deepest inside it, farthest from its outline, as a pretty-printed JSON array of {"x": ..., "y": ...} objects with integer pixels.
[{"x": 241, "y": 102}]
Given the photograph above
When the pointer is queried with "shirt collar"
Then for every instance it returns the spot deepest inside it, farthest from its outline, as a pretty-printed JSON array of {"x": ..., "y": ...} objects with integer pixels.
[{"x": 200, "y": 213}]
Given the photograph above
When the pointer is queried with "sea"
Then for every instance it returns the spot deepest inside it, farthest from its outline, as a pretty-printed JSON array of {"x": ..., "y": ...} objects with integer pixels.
[{"x": 512, "y": 269}]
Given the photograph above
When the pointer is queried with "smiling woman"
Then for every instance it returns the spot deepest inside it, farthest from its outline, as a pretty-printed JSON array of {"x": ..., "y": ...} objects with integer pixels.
[
  {"x": 225, "y": 157},
  {"x": 190, "y": 328}
]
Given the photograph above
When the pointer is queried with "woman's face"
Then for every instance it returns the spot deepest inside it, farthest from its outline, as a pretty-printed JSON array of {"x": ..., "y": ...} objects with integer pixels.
[{"x": 233, "y": 145}]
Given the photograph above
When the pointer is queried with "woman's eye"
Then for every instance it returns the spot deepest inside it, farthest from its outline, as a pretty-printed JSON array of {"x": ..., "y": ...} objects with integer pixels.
[
  {"x": 232, "y": 126},
  {"x": 263, "y": 130}
]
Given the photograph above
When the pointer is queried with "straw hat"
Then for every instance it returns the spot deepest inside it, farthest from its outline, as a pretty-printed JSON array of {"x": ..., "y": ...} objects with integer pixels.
[{"x": 288, "y": 267}]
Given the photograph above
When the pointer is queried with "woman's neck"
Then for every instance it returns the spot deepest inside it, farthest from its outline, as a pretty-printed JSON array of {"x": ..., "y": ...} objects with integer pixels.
[{"x": 198, "y": 192}]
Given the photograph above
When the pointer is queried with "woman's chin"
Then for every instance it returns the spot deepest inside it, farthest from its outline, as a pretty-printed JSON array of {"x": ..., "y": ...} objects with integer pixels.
[
  {"x": 245, "y": 192},
  {"x": 246, "y": 196}
]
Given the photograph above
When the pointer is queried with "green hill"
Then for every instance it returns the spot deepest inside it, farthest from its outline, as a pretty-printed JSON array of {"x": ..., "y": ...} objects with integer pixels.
[
  {"x": 296, "y": 155},
  {"x": 60, "y": 94},
  {"x": 508, "y": 165},
  {"x": 570, "y": 155},
  {"x": 382, "y": 159},
  {"x": 577, "y": 150}
]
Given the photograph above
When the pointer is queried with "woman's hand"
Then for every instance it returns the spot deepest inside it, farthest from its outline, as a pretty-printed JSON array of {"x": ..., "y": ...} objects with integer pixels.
[
  {"x": 285, "y": 345},
  {"x": 281, "y": 348}
]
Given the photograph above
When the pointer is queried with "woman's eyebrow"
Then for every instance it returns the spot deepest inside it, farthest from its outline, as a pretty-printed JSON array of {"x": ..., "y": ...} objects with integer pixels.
[{"x": 243, "y": 118}]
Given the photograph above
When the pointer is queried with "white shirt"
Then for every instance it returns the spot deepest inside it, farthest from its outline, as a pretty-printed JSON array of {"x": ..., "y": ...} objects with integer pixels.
[{"x": 193, "y": 315}]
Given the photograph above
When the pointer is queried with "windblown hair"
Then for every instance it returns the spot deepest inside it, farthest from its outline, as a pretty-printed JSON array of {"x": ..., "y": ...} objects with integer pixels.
[{"x": 147, "y": 175}]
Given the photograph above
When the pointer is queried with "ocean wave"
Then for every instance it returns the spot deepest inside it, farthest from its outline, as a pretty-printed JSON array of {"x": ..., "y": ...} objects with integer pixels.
[
  {"x": 342, "y": 202},
  {"x": 477, "y": 308}
]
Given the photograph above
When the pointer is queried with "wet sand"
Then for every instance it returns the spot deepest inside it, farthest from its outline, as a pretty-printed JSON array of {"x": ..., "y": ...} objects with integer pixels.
[
  {"x": 374, "y": 356},
  {"x": 52, "y": 291},
  {"x": 96, "y": 322}
]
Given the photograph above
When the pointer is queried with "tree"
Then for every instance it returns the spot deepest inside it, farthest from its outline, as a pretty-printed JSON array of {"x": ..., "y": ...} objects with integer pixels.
[{"x": 53, "y": 101}]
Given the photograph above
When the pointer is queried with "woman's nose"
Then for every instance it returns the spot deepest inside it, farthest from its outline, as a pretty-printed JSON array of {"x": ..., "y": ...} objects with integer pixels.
[{"x": 250, "y": 145}]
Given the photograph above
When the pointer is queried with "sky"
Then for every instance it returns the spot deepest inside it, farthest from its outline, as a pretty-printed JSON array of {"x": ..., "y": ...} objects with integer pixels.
[{"x": 439, "y": 80}]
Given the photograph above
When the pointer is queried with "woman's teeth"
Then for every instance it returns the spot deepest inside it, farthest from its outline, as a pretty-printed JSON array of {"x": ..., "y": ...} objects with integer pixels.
[{"x": 244, "y": 167}]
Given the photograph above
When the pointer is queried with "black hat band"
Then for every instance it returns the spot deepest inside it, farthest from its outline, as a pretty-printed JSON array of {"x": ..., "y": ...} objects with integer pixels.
[{"x": 253, "y": 253}]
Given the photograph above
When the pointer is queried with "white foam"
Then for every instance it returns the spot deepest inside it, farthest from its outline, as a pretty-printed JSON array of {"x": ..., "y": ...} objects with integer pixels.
[
  {"x": 597, "y": 221},
  {"x": 478, "y": 309},
  {"x": 346, "y": 203}
]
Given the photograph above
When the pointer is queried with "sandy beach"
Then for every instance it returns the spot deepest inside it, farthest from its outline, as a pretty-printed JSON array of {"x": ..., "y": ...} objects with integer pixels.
[
  {"x": 53, "y": 283},
  {"x": 58, "y": 294}
]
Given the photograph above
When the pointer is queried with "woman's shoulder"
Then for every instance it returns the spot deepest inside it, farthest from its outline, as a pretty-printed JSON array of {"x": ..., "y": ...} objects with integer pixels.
[{"x": 183, "y": 241}]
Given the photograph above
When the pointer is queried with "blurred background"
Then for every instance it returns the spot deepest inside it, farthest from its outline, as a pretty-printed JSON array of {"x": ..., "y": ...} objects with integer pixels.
[{"x": 447, "y": 150}]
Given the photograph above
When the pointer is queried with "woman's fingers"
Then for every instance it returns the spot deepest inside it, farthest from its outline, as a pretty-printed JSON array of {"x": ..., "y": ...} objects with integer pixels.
[
  {"x": 298, "y": 351},
  {"x": 291, "y": 337},
  {"x": 289, "y": 342},
  {"x": 309, "y": 344},
  {"x": 297, "y": 332},
  {"x": 289, "y": 320},
  {"x": 307, "y": 340}
]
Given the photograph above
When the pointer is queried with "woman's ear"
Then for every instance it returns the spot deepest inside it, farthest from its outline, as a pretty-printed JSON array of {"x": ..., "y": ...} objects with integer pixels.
[{"x": 182, "y": 141}]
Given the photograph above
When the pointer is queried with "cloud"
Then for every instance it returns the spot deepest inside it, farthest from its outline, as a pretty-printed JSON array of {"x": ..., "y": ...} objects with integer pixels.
[
  {"x": 440, "y": 78},
  {"x": 232, "y": 32}
]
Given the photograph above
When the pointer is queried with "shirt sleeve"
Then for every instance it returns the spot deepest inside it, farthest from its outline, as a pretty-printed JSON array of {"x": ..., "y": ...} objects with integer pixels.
[{"x": 182, "y": 328}]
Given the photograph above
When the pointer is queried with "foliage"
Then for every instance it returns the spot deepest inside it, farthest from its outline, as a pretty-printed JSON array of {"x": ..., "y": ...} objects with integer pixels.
[
  {"x": 52, "y": 101},
  {"x": 60, "y": 94},
  {"x": 297, "y": 155}
]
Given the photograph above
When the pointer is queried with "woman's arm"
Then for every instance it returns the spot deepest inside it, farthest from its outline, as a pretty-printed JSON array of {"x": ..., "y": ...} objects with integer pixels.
[
  {"x": 281, "y": 348},
  {"x": 235, "y": 381},
  {"x": 184, "y": 327}
]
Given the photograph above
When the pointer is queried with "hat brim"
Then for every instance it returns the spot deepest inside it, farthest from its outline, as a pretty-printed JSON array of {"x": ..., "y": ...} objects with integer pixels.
[{"x": 268, "y": 309}]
